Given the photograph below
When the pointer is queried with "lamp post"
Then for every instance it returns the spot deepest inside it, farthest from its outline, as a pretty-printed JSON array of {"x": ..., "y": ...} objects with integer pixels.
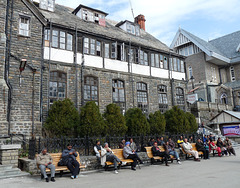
[{"x": 192, "y": 79}]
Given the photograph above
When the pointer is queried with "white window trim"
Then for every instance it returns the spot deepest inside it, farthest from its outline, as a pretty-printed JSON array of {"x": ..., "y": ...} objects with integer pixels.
[{"x": 29, "y": 24}]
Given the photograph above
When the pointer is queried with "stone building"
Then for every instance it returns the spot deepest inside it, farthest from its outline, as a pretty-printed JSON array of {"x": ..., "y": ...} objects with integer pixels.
[
  {"x": 81, "y": 55},
  {"x": 212, "y": 70}
]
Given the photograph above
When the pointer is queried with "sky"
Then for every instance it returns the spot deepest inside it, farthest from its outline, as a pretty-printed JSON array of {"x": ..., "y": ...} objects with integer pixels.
[{"x": 207, "y": 19}]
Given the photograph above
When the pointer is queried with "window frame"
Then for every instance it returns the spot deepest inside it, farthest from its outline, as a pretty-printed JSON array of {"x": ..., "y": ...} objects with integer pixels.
[
  {"x": 118, "y": 102},
  {"x": 162, "y": 93},
  {"x": 58, "y": 80},
  {"x": 95, "y": 80},
  {"x": 180, "y": 96},
  {"x": 28, "y": 24},
  {"x": 141, "y": 93}
]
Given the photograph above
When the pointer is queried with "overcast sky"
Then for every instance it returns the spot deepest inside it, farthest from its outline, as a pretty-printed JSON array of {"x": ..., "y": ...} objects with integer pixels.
[{"x": 208, "y": 19}]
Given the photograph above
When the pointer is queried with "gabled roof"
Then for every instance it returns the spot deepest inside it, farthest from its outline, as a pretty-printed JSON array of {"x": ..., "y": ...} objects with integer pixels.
[
  {"x": 63, "y": 17},
  {"x": 231, "y": 113},
  {"x": 229, "y": 45},
  {"x": 29, "y": 4},
  {"x": 205, "y": 46}
]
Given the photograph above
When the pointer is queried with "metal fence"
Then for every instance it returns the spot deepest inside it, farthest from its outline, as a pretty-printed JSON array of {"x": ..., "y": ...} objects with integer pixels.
[{"x": 85, "y": 145}]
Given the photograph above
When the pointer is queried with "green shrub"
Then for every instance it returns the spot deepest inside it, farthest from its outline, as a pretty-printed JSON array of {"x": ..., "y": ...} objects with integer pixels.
[
  {"x": 157, "y": 123},
  {"x": 114, "y": 121},
  {"x": 193, "y": 125},
  {"x": 136, "y": 122},
  {"x": 63, "y": 119},
  {"x": 91, "y": 120}
]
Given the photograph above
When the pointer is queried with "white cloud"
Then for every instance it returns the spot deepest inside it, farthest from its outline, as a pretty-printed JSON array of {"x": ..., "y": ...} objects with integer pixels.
[{"x": 164, "y": 17}]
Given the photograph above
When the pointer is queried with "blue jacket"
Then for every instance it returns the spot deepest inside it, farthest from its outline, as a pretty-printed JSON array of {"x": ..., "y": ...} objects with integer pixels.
[{"x": 67, "y": 157}]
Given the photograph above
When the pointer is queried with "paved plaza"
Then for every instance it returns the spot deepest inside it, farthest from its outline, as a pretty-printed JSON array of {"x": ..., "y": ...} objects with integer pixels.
[{"x": 216, "y": 172}]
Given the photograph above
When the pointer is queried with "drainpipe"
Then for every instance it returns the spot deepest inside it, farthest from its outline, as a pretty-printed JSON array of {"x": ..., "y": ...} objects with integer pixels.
[
  {"x": 41, "y": 78},
  {"x": 7, "y": 60},
  {"x": 82, "y": 74},
  {"x": 76, "y": 71}
]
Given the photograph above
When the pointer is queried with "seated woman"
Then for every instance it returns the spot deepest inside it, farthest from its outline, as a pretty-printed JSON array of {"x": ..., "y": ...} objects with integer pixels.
[
  {"x": 200, "y": 147},
  {"x": 157, "y": 152},
  {"x": 221, "y": 145},
  {"x": 212, "y": 146},
  {"x": 108, "y": 155}
]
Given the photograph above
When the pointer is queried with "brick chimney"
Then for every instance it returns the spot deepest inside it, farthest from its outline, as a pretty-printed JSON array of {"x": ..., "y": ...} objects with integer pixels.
[{"x": 140, "y": 20}]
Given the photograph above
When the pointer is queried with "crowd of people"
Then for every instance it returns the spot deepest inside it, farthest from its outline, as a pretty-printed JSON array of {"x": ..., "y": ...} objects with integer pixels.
[{"x": 130, "y": 151}]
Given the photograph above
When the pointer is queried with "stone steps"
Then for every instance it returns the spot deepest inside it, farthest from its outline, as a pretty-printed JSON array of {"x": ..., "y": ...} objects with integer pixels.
[{"x": 7, "y": 171}]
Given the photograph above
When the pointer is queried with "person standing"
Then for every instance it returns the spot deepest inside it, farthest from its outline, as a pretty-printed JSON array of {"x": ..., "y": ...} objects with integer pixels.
[
  {"x": 44, "y": 160},
  {"x": 188, "y": 149},
  {"x": 200, "y": 147},
  {"x": 69, "y": 159}
]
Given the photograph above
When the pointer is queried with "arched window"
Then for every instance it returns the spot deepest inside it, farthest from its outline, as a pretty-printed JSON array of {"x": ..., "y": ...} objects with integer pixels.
[
  {"x": 57, "y": 86},
  {"x": 190, "y": 72},
  {"x": 162, "y": 98},
  {"x": 223, "y": 98},
  {"x": 119, "y": 94},
  {"x": 142, "y": 97},
  {"x": 180, "y": 98},
  {"x": 91, "y": 88}
]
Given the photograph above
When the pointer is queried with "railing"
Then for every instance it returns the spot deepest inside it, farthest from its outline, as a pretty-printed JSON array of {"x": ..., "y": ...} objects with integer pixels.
[{"x": 85, "y": 145}]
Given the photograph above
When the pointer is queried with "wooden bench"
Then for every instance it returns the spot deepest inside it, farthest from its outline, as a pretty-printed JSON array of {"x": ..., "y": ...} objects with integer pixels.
[
  {"x": 188, "y": 155},
  {"x": 119, "y": 154},
  {"x": 56, "y": 158},
  {"x": 155, "y": 158}
]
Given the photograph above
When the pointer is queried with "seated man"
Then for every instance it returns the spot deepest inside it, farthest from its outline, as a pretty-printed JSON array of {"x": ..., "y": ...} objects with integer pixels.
[
  {"x": 69, "y": 159},
  {"x": 108, "y": 155},
  {"x": 44, "y": 160},
  {"x": 157, "y": 152},
  {"x": 161, "y": 141},
  {"x": 200, "y": 147},
  {"x": 133, "y": 145},
  {"x": 180, "y": 141},
  {"x": 188, "y": 149},
  {"x": 151, "y": 142},
  {"x": 229, "y": 147},
  {"x": 97, "y": 148},
  {"x": 222, "y": 146},
  {"x": 128, "y": 153},
  {"x": 122, "y": 144},
  {"x": 170, "y": 150}
]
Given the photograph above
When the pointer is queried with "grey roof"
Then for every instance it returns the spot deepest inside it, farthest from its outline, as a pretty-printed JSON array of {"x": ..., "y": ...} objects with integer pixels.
[
  {"x": 63, "y": 16},
  {"x": 228, "y": 44},
  {"x": 233, "y": 113},
  {"x": 233, "y": 85},
  {"x": 203, "y": 43}
]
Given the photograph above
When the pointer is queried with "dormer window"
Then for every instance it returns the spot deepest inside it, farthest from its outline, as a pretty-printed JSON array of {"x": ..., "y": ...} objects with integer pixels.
[
  {"x": 90, "y": 14},
  {"x": 129, "y": 27},
  {"x": 47, "y": 5}
]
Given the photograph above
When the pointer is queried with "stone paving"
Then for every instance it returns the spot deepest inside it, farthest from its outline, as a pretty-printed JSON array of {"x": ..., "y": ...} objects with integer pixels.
[{"x": 217, "y": 172}]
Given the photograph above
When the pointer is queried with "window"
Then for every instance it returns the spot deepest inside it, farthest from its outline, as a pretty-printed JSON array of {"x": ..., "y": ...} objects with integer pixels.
[
  {"x": 174, "y": 64},
  {"x": 85, "y": 15},
  {"x": 91, "y": 88},
  {"x": 190, "y": 72},
  {"x": 165, "y": 63},
  {"x": 214, "y": 77},
  {"x": 232, "y": 73},
  {"x": 157, "y": 60},
  {"x": 161, "y": 61},
  {"x": 178, "y": 65},
  {"x": 182, "y": 67},
  {"x": 61, "y": 39},
  {"x": 106, "y": 50},
  {"x": 142, "y": 97},
  {"x": 114, "y": 50},
  {"x": 98, "y": 48},
  {"x": 55, "y": 38},
  {"x": 47, "y": 37},
  {"x": 170, "y": 64},
  {"x": 223, "y": 98},
  {"x": 86, "y": 45},
  {"x": 119, "y": 94},
  {"x": 162, "y": 98},
  {"x": 69, "y": 41},
  {"x": 152, "y": 60},
  {"x": 96, "y": 18},
  {"x": 92, "y": 46},
  {"x": 24, "y": 26},
  {"x": 180, "y": 98},
  {"x": 57, "y": 86}
]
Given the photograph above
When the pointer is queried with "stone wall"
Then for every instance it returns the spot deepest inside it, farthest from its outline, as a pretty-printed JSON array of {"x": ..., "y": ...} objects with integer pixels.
[
  {"x": 28, "y": 48},
  {"x": 9, "y": 155}
]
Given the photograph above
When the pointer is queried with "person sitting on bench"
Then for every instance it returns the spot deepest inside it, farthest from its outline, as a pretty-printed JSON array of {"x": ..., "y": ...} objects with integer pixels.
[
  {"x": 222, "y": 146},
  {"x": 157, "y": 152},
  {"x": 188, "y": 149},
  {"x": 200, "y": 147},
  {"x": 69, "y": 159},
  {"x": 97, "y": 148},
  {"x": 170, "y": 150},
  {"x": 212, "y": 146},
  {"x": 44, "y": 160},
  {"x": 129, "y": 153},
  {"x": 108, "y": 155}
]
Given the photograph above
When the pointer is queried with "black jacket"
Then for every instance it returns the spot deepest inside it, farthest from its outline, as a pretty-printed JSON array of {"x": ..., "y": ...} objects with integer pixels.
[
  {"x": 200, "y": 146},
  {"x": 155, "y": 151}
]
